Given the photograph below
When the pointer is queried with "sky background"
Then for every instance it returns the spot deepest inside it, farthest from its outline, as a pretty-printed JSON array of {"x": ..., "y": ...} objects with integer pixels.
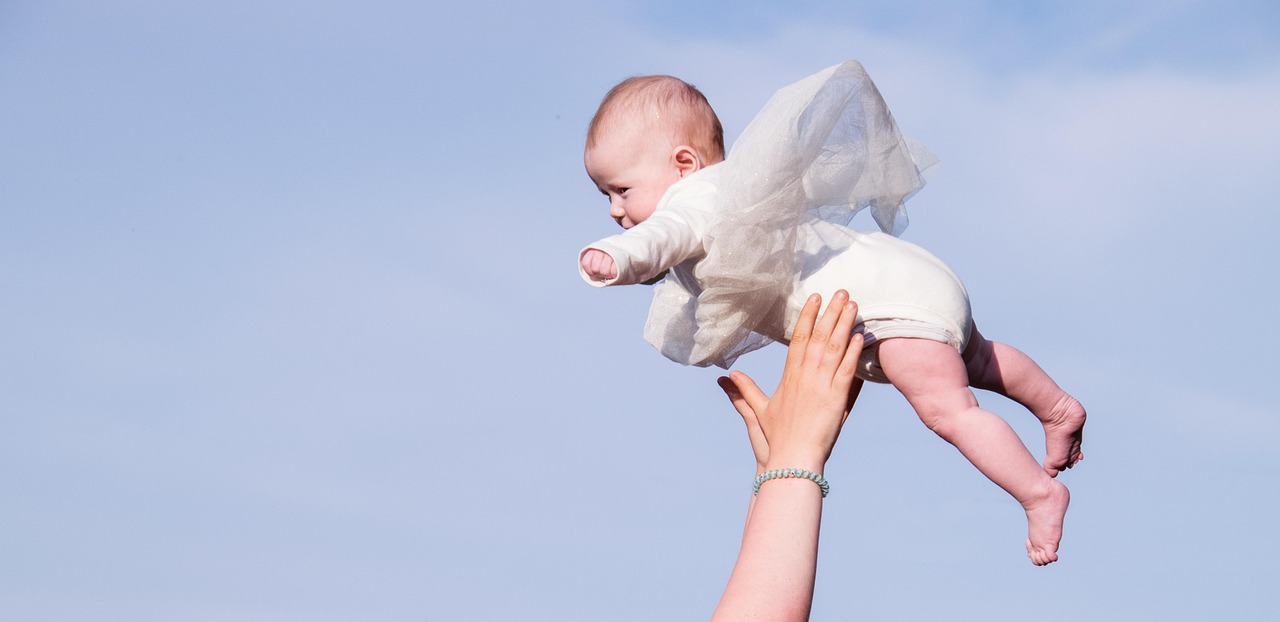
[{"x": 290, "y": 326}]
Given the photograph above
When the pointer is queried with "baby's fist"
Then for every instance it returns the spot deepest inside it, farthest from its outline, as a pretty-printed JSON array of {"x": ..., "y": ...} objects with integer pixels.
[{"x": 598, "y": 265}]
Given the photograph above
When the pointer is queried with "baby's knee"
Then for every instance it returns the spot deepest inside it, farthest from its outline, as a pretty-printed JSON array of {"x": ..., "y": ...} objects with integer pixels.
[
  {"x": 940, "y": 416},
  {"x": 932, "y": 419}
]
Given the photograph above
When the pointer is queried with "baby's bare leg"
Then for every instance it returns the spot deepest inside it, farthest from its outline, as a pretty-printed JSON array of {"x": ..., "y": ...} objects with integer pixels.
[
  {"x": 1004, "y": 369},
  {"x": 933, "y": 378}
]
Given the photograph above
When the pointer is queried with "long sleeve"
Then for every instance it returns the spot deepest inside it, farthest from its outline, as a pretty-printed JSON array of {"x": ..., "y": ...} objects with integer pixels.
[{"x": 672, "y": 235}]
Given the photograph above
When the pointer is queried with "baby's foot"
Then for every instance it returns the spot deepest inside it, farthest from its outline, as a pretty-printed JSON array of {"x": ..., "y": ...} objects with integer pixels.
[
  {"x": 1044, "y": 523},
  {"x": 1063, "y": 435}
]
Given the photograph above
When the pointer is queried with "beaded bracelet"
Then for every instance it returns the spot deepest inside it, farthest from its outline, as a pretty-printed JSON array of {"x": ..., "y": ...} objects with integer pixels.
[{"x": 816, "y": 478}]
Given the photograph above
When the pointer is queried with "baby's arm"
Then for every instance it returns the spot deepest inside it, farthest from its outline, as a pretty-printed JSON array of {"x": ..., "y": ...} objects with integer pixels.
[{"x": 667, "y": 238}]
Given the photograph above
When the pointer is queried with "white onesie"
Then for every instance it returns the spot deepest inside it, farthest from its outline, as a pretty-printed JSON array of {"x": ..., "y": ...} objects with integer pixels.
[
  {"x": 901, "y": 289},
  {"x": 745, "y": 242}
]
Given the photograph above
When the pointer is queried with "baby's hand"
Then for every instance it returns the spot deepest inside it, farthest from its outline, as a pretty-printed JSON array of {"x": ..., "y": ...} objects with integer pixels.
[{"x": 599, "y": 265}]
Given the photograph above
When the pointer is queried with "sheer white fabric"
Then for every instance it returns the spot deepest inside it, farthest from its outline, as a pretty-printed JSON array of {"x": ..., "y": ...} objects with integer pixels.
[{"x": 822, "y": 149}]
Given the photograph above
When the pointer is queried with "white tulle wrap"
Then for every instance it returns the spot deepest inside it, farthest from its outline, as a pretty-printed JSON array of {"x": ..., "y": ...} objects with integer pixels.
[{"x": 822, "y": 149}]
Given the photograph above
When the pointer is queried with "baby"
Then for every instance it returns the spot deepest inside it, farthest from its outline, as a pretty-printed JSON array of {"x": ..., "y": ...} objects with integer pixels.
[{"x": 740, "y": 244}]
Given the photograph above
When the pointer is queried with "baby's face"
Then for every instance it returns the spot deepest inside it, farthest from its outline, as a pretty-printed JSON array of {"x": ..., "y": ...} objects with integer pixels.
[{"x": 634, "y": 171}]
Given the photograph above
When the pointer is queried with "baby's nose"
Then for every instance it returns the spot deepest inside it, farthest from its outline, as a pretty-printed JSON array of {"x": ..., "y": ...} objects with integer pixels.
[{"x": 616, "y": 211}]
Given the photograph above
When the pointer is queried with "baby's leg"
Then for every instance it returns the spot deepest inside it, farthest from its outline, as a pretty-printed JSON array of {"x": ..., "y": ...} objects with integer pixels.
[
  {"x": 1002, "y": 368},
  {"x": 933, "y": 378}
]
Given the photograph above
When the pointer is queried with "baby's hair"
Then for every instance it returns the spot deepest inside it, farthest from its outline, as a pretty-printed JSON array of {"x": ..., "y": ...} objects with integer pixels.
[{"x": 661, "y": 102}]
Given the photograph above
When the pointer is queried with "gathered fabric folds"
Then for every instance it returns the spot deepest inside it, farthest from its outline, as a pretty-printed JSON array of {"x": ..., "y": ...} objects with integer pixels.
[{"x": 822, "y": 149}]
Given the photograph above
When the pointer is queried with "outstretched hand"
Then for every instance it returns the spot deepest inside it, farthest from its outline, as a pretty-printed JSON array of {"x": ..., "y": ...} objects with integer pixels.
[
  {"x": 598, "y": 265},
  {"x": 798, "y": 426},
  {"x": 795, "y": 429}
]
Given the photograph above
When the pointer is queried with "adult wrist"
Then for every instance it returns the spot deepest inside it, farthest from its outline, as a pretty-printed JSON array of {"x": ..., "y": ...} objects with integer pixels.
[{"x": 798, "y": 460}]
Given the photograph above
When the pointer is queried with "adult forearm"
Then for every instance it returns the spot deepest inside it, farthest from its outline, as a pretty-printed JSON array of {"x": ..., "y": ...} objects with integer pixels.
[
  {"x": 774, "y": 574},
  {"x": 791, "y": 434}
]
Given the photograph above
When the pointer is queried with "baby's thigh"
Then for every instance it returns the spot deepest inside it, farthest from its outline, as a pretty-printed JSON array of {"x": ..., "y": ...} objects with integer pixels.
[{"x": 930, "y": 374}]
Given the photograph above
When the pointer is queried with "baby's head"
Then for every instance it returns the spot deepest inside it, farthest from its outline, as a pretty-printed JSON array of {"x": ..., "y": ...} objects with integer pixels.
[{"x": 649, "y": 132}]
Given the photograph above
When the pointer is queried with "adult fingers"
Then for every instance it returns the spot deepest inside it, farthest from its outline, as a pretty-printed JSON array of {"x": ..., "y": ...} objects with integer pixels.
[
  {"x": 749, "y": 393},
  {"x": 826, "y": 324},
  {"x": 849, "y": 360},
  {"x": 738, "y": 390},
  {"x": 735, "y": 396},
  {"x": 849, "y": 367},
  {"x": 842, "y": 338},
  {"x": 802, "y": 332},
  {"x": 840, "y": 316}
]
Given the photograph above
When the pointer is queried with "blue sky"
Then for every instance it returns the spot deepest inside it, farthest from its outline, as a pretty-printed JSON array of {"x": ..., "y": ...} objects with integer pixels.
[{"x": 292, "y": 329}]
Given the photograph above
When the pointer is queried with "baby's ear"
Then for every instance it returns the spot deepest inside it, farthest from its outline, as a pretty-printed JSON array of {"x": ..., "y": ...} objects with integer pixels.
[{"x": 686, "y": 160}]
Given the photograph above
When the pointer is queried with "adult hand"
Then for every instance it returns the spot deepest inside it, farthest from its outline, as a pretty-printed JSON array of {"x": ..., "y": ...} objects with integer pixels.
[{"x": 798, "y": 426}]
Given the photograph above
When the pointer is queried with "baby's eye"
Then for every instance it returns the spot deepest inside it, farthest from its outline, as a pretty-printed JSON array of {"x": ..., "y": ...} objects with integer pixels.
[{"x": 623, "y": 191}]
